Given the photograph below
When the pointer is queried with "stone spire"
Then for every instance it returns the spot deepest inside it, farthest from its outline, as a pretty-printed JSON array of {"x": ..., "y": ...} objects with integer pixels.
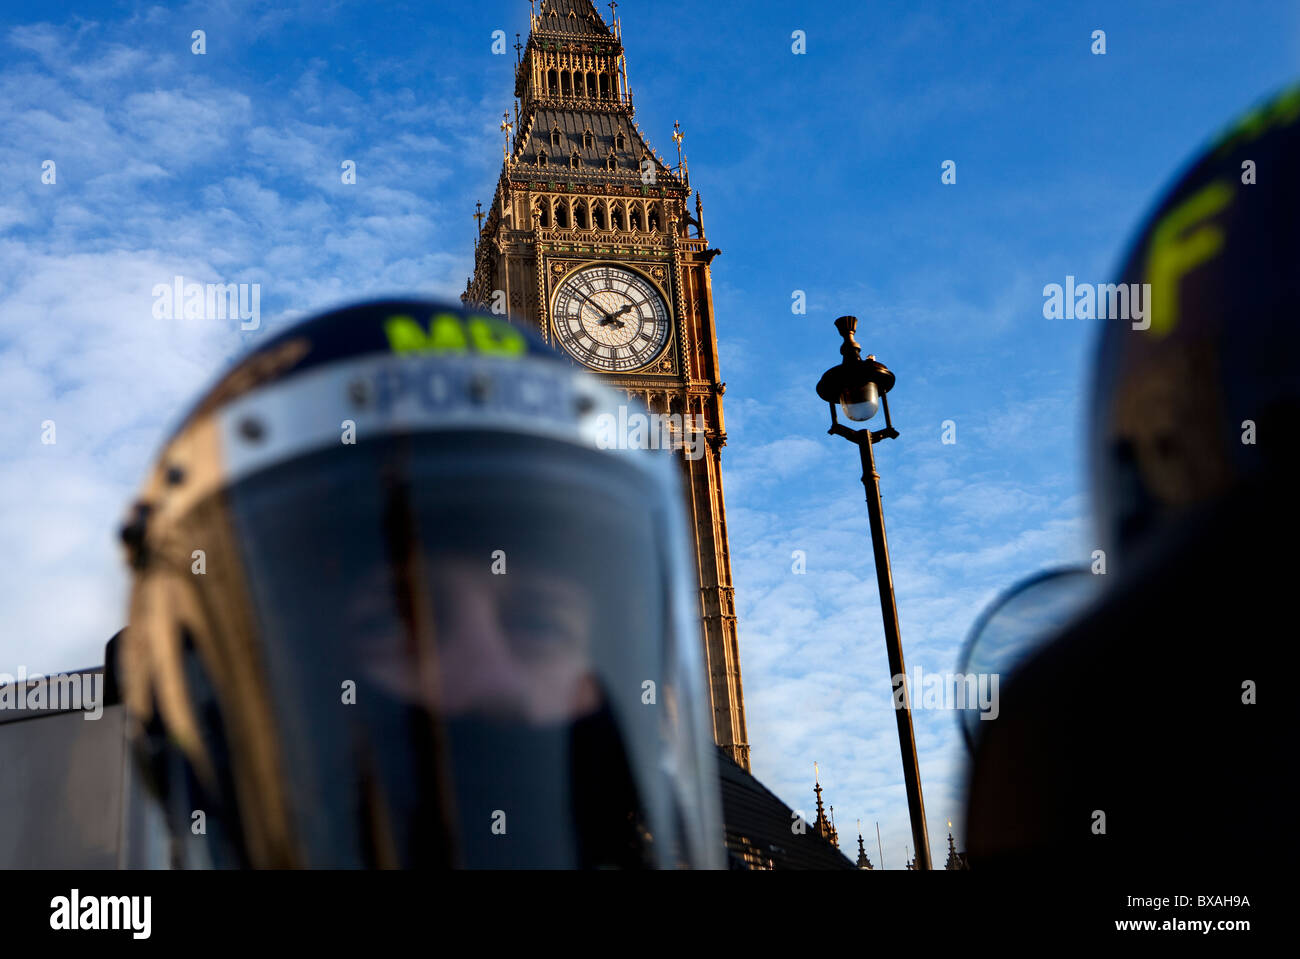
[
  {"x": 863, "y": 861},
  {"x": 956, "y": 860},
  {"x": 824, "y": 827}
]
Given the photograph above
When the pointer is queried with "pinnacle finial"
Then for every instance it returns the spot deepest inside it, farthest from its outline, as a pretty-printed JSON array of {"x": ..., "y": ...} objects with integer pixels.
[
  {"x": 479, "y": 215},
  {"x": 863, "y": 861},
  {"x": 506, "y": 127}
]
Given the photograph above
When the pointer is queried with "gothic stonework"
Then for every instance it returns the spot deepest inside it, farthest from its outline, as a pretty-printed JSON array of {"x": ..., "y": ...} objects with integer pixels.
[{"x": 581, "y": 190}]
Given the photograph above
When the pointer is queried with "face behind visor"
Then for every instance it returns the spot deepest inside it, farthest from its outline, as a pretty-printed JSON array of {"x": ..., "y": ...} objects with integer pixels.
[{"x": 463, "y": 639}]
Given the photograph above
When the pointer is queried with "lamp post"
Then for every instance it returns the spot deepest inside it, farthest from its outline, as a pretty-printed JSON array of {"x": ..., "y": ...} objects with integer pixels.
[{"x": 859, "y": 387}]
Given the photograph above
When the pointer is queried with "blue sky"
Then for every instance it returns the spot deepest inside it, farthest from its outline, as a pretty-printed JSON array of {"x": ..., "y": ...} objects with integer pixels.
[{"x": 819, "y": 173}]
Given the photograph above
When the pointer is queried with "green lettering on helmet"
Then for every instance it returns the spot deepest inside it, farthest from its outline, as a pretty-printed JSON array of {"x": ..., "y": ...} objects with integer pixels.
[
  {"x": 495, "y": 337},
  {"x": 1281, "y": 111},
  {"x": 1173, "y": 251},
  {"x": 404, "y": 335},
  {"x": 446, "y": 335}
]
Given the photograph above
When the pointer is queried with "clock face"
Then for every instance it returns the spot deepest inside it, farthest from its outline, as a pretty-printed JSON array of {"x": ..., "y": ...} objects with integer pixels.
[{"x": 611, "y": 319}]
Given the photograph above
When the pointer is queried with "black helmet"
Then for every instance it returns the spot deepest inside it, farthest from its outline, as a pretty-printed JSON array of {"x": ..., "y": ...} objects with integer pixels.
[
  {"x": 396, "y": 603},
  {"x": 1129, "y": 719},
  {"x": 1204, "y": 393}
]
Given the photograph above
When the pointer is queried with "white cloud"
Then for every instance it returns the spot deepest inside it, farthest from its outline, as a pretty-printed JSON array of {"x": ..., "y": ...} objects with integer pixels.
[{"x": 175, "y": 175}]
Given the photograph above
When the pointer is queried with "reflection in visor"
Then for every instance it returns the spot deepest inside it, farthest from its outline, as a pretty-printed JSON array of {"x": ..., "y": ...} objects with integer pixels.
[{"x": 498, "y": 611}]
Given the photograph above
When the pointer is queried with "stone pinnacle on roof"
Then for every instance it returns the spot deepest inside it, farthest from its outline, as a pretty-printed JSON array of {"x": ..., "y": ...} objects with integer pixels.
[
  {"x": 955, "y": 859},
  {"x": 863, "y": 861},
  {"x": 825, "y": 827}
]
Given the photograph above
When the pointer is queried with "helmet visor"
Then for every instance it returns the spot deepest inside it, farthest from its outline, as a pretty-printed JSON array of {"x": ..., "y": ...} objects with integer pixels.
[{"x": 469, "y": 646}]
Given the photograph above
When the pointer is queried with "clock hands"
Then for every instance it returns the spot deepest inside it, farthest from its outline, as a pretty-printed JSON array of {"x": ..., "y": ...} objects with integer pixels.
[
  {"x": 612, "y": 319},
  {"x": 586, "y": 302},
  {"x": 607, "y": 319}
]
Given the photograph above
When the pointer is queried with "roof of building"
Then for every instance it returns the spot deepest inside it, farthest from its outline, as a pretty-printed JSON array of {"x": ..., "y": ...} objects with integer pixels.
[
  {"x": 572, "y": 16},
  {"x": 573, "y": 127},
  {"x": 759, "y": 831}
]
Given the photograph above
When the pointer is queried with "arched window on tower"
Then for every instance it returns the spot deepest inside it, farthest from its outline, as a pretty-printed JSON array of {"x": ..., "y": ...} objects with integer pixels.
[
  {"x": 541, "y": 158},
  {"x": 562, "y": 214},
  {"x": 553, "y": 83},
  {"x": 575, "y": 160},
  {"x": 556, "y": 137},
  {"x": 604, "y": 85},
  {"x": 543, "y": 213},
  {"x": 611, "y": 161},
  {"x": 654, "y": 218},
  {"x": 635, "y": 219},
  {"x": 598, "y": 215},
  {"x": 588, "y": 140},
  {"x": 620, "y": 141},
  {"x": 566, "y": 84},
  {"x": 591, "y": 84},
  {"x": 616, "y": 218},
  {"x": 580, "y": 214}
]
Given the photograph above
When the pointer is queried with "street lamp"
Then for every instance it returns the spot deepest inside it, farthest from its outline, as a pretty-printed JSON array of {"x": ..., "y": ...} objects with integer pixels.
[{"x": 860, "y": 388}]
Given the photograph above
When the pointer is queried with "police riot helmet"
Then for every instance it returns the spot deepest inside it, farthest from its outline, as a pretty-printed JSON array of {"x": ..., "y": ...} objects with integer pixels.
[
  {"x": 1200, "y": 398},
  {"x": 1120, "y": 690},
  {"x": 396, "y": 602}
]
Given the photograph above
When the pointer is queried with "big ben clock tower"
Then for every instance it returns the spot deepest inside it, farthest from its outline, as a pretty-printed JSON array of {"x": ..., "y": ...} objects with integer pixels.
[{"x": 591, "y": 240}]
